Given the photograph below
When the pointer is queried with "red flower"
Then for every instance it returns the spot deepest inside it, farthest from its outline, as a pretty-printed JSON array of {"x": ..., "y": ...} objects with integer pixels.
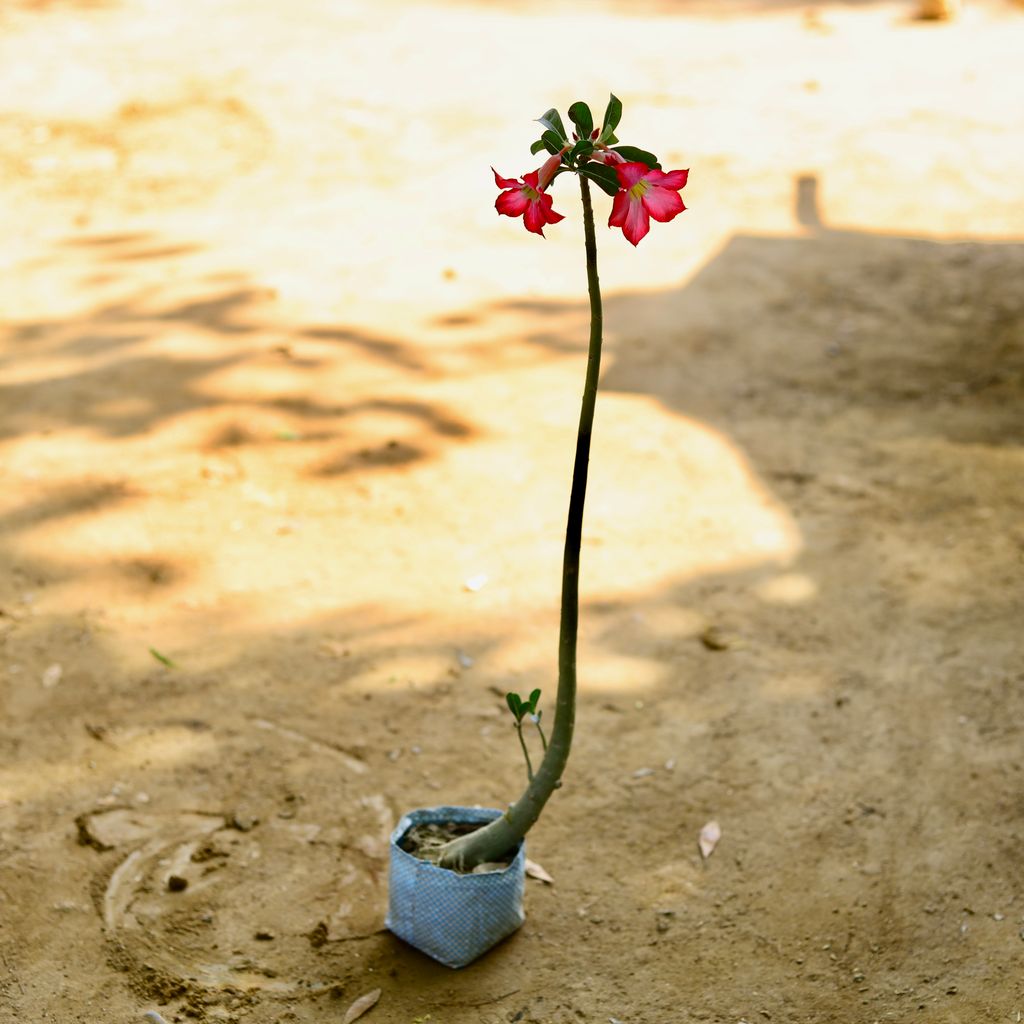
[
  {"x": 527, "y": 198},
  {"x": 645, "y": 193}
]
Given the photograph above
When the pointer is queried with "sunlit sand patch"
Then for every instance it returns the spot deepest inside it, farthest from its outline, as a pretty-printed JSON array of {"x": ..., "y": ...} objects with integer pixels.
[
  {"x": 788, "y": 588},
  {"x": 156, "y": 747},
  {"x": 702, "y": 507},
  {"x": 614, "y": 673}
]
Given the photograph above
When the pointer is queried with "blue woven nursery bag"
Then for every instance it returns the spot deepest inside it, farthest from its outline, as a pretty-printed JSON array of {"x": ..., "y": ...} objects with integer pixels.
[{"x": 453, "y": 918}]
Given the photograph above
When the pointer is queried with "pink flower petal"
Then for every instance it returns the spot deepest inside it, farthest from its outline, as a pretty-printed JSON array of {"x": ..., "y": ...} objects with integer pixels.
[
  {"x": 663, "y": 203},
  {"x": 505, "y": 182},
  {"x": 638, "y": 223},
  {"x": 620, "y": 206},
  {"x": 512, "y": 203},
  {"x": 533, "y": 179},
  {"x": 534, "y": 218},
  {"x": 671, "y": 179},
  {"x": 549, "y": 215},
  {"x": 630, "y": 173}
]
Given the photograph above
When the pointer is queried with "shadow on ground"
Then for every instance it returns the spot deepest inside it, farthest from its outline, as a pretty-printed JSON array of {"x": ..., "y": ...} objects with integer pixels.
[{"x": 849, "y": 717}]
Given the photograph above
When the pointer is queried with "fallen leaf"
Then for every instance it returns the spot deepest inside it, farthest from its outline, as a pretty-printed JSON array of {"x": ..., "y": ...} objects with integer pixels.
[
  {"x": 534, "y": 870},
  {"x": 708, "y": 839},
  {"x": 362, "y": 1005},
  {"x": 162, "y": 658}
]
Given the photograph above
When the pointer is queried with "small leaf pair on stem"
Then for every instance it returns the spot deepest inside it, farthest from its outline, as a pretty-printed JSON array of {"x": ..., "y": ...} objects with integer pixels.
[
  {"x": 641, "y": 191},
  {"x": 526, "y": 709}
]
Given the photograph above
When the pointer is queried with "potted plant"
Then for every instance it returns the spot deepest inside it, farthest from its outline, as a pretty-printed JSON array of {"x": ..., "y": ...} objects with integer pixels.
[{"x": 457, "y": 874}]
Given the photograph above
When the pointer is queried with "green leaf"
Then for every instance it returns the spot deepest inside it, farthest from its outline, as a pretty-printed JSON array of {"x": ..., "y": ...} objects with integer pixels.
[
  {"x": 552, "y": 143},
  {"x": 582, "y": 148},
  {"x": 612, "y": 116},
  {"x": 580, "y": 115},
  {"x": 515, "y": 705},
  {"x": 553, "y": 122},
  {"x": 610, "y": 139},
  {"x": 538, "y": 146},
  {"x": 632, "y": 154},
  {"x": 532, "y": 703},
  {"x": 162, "y": 658},
  {"x": 601, "y": 175}
]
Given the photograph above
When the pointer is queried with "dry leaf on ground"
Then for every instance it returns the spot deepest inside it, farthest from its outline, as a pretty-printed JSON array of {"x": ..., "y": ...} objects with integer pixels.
[
  {"x": 534, "y": 870},
  {"x": 361, "y": 1006},
  {"x": 708, "y": 839}
]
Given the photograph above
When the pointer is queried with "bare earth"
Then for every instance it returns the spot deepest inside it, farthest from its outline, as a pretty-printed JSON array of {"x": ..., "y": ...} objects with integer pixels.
[{"x": 275, "y": 382}]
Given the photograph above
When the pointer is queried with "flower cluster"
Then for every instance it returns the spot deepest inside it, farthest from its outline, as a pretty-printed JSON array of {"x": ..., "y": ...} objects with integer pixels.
[{"x": 641, "y": 190}]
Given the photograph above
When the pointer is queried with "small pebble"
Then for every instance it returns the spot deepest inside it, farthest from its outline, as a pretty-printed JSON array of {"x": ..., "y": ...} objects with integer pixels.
[
  {"x": 243, "y": 821},
  {"x": 175, "y": 883},
  {"x": 264, "y": 935},
  {"x": 713, "y": 639}
]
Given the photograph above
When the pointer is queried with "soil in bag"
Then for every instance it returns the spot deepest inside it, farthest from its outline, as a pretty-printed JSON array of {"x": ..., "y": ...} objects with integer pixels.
[{"x": 425, "y": 842}]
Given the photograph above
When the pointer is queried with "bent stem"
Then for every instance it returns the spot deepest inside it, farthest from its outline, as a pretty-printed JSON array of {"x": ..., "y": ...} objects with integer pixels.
[{"x": 494, "y": 839}]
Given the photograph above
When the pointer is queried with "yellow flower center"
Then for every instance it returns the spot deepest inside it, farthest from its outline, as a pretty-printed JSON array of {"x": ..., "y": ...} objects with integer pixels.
[
  {"x": 530, "y": 193},
  {"x": 639, "y": 189}
]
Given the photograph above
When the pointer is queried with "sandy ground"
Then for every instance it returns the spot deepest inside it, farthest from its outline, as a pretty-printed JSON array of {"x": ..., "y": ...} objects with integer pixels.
[{"x": 275, "y": 381}]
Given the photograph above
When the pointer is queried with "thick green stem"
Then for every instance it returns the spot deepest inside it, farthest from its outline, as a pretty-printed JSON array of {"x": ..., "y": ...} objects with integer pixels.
[{"x": 493, "y": 840}]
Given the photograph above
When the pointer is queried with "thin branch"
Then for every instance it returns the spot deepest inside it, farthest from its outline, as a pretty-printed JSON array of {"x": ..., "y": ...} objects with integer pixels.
[{"x": 526, "y": 753}]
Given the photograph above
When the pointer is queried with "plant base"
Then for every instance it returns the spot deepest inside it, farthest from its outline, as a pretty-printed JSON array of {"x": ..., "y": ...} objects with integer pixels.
[{"x": 451, "y": 917}]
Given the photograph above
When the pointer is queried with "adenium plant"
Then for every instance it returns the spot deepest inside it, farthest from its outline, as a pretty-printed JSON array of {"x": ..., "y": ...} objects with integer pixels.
[{"x": 640, "y": 191}]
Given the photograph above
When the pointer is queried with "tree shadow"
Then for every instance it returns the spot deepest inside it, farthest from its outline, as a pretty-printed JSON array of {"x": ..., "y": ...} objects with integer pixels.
[
  {"x": 139, "y": 362},
  {"x": 912, "y": 333}
]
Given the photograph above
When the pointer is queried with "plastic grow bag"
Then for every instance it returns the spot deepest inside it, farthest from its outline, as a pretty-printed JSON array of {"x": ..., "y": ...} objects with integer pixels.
[{"x": 452, "y": 917}]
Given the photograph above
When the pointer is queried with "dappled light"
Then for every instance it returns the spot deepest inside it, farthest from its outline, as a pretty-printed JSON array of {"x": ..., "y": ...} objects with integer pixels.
[{"x": 287, "y": 415}]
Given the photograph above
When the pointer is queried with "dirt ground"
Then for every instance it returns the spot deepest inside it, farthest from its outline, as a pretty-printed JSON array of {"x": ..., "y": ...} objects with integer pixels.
[{"x": 276, "y": 381}]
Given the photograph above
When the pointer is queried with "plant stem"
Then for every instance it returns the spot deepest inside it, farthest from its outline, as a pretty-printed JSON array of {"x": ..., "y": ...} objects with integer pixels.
[
  {"x": 494, "y": 839},
  {"x": 543, "y": 738},
  {"x": 526, "y": 753}
]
